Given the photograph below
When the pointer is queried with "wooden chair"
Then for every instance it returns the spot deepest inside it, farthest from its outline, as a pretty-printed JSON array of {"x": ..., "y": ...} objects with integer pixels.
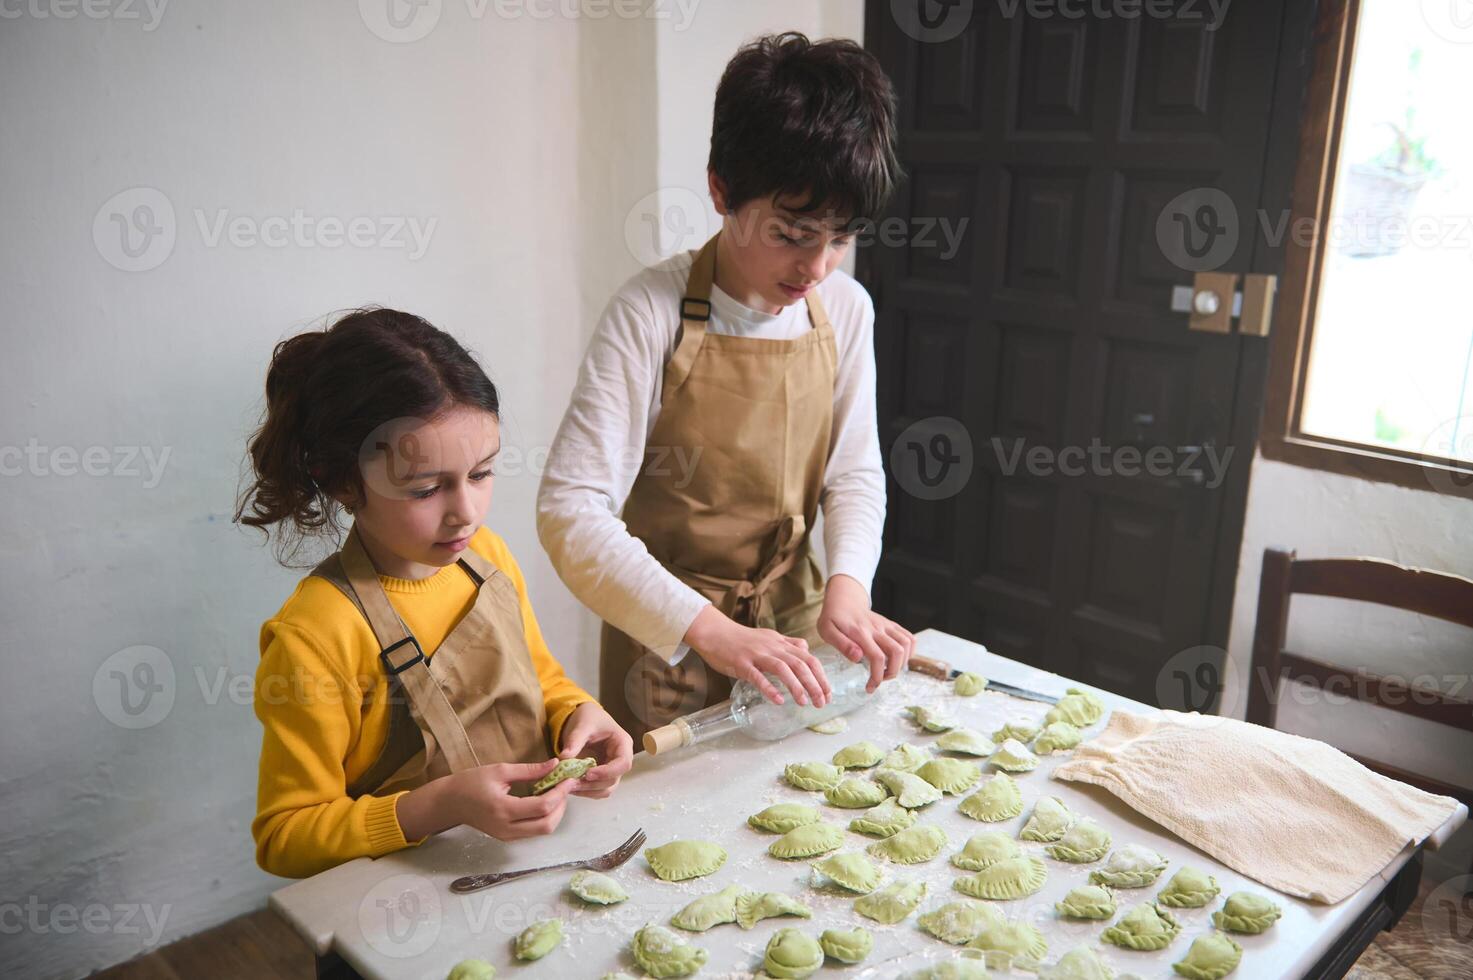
[{"x": 1438, "y": 594}]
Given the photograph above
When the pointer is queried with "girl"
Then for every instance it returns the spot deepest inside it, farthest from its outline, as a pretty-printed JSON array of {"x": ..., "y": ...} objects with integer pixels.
[{"x": 404, "y": 687}]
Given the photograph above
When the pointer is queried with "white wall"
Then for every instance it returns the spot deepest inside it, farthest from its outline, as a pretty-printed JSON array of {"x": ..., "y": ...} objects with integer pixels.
[
  {"x": 1325, "y": 515},
  {"x": 522, "y": 146}
]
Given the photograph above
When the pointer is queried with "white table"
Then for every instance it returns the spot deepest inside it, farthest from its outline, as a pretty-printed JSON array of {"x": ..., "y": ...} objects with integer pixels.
[{"x": 395, "y": 917}]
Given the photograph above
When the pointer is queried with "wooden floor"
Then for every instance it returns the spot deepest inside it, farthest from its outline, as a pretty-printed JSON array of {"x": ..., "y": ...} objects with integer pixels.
[{"x": 261, "y": 945}]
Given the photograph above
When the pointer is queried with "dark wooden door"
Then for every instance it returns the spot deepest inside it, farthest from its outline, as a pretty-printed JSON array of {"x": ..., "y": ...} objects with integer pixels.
[{"x": 1046, "y": 325}]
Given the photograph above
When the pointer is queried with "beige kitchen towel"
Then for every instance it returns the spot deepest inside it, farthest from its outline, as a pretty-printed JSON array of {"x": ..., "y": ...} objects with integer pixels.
[{"x": 1292, "y": 812}]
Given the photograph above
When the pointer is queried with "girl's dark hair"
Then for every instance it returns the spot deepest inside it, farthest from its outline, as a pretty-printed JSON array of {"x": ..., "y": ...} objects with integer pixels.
[
  {"x": 798, "y": 118},
  {"x": 326, "y": 392}
]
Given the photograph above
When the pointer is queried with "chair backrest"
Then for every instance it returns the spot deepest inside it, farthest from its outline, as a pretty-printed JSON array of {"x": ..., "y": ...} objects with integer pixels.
[{"x": 1437, "y": 594}]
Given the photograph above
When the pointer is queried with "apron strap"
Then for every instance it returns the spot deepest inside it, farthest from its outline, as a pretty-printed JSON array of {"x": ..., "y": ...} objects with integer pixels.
[
  {"x": 402, "y": 657},
  {"x": 695, "y": 313},
  {"x": 746, "y": 601},
  {"x": 817, "y": 315}
]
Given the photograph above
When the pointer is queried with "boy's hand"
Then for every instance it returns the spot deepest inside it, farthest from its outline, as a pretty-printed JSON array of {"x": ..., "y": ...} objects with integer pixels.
[
  {"x": 747, "y": 654},
  {"x": 482, "y": 798},
  {"x": 849, "y": 625},
  {"x": 591, "y": 731}
]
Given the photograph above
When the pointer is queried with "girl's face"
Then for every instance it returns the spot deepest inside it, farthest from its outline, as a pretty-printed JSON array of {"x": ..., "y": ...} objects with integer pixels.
[
  {"x": 426, "y": 487},
  {"x": 771, "y": 256}
]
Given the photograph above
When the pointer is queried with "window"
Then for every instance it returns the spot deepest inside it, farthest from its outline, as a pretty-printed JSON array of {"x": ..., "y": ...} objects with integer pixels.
[{"x": 1373, "y": 366}]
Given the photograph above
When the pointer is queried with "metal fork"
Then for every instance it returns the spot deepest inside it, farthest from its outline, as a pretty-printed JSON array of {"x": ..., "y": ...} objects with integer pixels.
[{"x": 604, "y": 862}]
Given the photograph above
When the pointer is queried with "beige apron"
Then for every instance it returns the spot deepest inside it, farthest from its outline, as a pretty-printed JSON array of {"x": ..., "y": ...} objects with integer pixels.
[
  {"x": 472, "y": 701},
  {"x": 736, "y": 525}
]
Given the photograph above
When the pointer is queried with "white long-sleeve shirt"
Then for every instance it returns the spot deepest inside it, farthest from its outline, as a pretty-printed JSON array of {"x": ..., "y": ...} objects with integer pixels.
[{"x": 600, "y": 447}]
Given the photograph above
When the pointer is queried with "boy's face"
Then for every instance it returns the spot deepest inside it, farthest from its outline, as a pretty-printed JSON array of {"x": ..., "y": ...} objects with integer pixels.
[
  {"x": 426, "y": 488},
  {"x": 777, "y": 254}
]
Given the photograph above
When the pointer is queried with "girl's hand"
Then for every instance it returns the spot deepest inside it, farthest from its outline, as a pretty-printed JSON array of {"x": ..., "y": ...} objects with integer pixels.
[
  {"x": 747, "y": 654},
  {"x": 591, "y": 731},
  {"x": 481, "y": 798},
  {"x": 849, "y": 625}
]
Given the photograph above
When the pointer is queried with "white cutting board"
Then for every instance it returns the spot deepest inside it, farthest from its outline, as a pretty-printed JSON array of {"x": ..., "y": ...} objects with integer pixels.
[{"x": 395, "y": 917}]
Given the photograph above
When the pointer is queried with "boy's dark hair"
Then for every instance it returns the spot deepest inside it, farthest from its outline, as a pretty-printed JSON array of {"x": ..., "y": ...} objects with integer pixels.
[
  {"x": 326, "y": 393},
  {"x": 807, "y": 120}
]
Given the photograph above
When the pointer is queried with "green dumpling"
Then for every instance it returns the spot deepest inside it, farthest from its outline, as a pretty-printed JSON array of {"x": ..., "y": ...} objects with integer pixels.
[
  {"x": 812, "y": 776},
  {"x": 847, "y": 945},
  {"x": 1081, "y": 963},
  {"x": 1131, "y": 866},
  {"x": 911, "y": 846},
  {"x": 853, "y": 872},
  {"x": 472, "y": 970},
  {"x": 1013, "y": 756},
  {"x": 892, "y": 903},
  {"x": 683, "y": 859},
  {"x": 1084, "y": 842},
  {"x": 662, "y": 953},
  {"x": 999, "y": 799},
  {"x": 853, "y": 793},
  {"x": 860, "y": 755},
  {"x": 783, "y": 817},
  {"x": 597, "y": 888},
  {"x": 906, "y": 758},
  {"x": 1087, "y": 902},
  {"x": 1049, "y": 822},
  {"x": 950, "y": 776},
  {"x": 1078, "y": 707},
  {"x": 1005, "y": 880},
  {"x": 986, "y": 849},
  {"x": 1145, "y": 927},
  {"x": 1210, "y": 957},
  {"x": 538, "y": 939},
  {"x": 809, "y": 841},
  {"x": 1015, "y": 730},
  {"x": 931, "y": 719},
  {"x": 752, "y": 908},
  {"x": 1060, "y": 736},
  {"x": 566, "y": 769},
  {"x": 1009, "y": 944},
  {"x": 884, "y": 820},
  {"x": 965, "y": 741},
  {"x": 709, "y": 910},
  {"x": 959, "y": 922},
  {"x": 911, "y": 791},
  {"x": 792, "y": 955},
  {"x": 1247, "y": 913},
  {"x": 969, "y": 969},
  {"x": 1188, "y": 889},
  {"x": 968, "y": 684}
]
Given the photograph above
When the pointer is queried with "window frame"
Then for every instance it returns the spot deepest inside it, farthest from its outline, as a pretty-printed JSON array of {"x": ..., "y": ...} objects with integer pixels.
[{"x": 1282, "y": 439}]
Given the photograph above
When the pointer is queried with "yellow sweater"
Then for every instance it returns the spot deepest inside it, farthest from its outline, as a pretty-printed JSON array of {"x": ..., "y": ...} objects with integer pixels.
[{"x": 320, "y": 695}]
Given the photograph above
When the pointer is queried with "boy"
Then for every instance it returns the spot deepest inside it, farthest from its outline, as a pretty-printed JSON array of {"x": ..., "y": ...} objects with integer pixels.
[{"x": 743, "y": 374}]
